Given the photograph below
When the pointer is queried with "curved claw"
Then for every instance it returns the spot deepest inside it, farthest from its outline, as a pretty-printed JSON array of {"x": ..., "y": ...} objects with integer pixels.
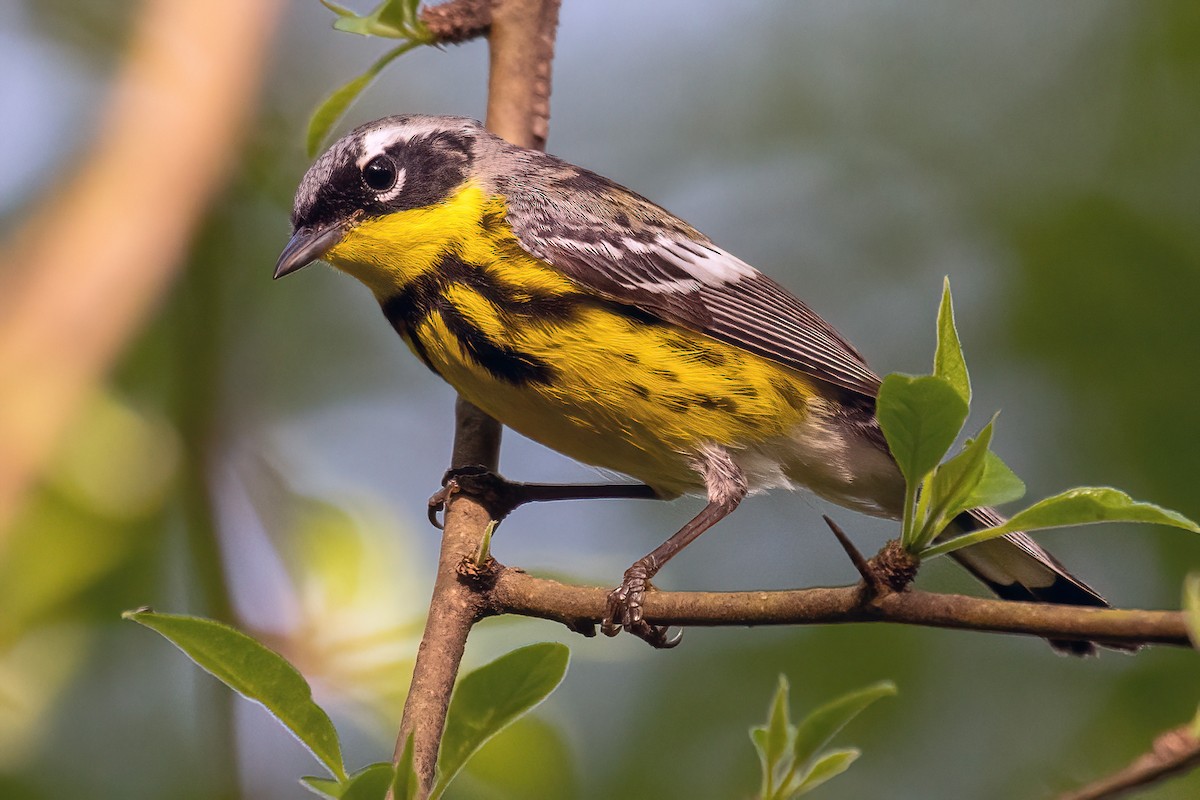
[
  {"x": 450, "y": 485},
  {"x": 437, "y": 502},
  {"x": 656, "y": 636},
  {"x": 434, "y": 510},
  {"x": 625, "y": 612},
  {"x": 615, "y": 620}
]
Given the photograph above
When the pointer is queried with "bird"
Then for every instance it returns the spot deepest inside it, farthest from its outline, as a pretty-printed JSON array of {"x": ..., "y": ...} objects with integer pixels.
[{"x": 591, "y": 320}]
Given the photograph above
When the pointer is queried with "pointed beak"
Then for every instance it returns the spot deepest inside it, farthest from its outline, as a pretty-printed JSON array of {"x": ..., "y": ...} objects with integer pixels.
[{"x": 306, "y": 246}]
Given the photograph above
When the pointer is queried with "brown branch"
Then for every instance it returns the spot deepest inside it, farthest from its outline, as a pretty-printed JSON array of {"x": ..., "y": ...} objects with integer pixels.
[
  {"x": 1173, "y": 752},
  {"x": 521, "y": 42},
  {"x": 515, "y": 592},
  {"x": 455, "y": 607},
  {"x": 70, "y": 301},
  {"x": 458, "y": 20},
  {"x": 522, "y": 49}
]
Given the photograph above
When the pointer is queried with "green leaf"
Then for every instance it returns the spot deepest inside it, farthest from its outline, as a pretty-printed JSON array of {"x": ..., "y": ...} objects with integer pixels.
[
  {"x": 829, "y": 765},
  {"x": 324, "y": 787},
  {"x": 529, "y": 740},
  {"x": 366, "y": 26},
  {"x": 341, "y": 11},
  {"x": 758, "y": 736},
  {"x": 997, "y": 486},
  {"x": 1087, "y": 505},
  {"x": 330, "y": 111},
  {"x": 920, "y": 417},
  {"x": 948, "y": 360},
  {"x": 406, "y": 784},
  {"x": 491, "y": 697},
  {"x": 1082, "y": 506},
  {"x": 815, "y": 731},
  {"x": 954, "y": 483},
  {"x": 399, "y": 14},
  {"x": 779, "y": 728},
  {"x": 369, "y": 783},
  {"x": 255, "y": 672},
  {"x": 774, "y": 740},
  {"x": 484, "y": 551},
  {"x": 1191, "y": 606},
  {"x": 394, "y": 19}
]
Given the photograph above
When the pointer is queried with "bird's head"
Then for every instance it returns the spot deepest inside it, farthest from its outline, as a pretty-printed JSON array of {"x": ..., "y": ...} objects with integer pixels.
[{"x": 392, "y": 165}]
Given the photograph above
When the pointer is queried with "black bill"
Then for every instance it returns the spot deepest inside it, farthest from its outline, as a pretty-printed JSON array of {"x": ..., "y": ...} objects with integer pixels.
[{"x": 306, "y": 246}]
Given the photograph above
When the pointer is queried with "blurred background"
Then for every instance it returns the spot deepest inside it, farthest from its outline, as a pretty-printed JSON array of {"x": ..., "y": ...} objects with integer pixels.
[{"x": 178, "y": 431}]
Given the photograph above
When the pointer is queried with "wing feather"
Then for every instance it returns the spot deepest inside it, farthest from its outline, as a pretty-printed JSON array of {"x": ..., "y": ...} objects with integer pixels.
[{"x": 624, "y": 247}]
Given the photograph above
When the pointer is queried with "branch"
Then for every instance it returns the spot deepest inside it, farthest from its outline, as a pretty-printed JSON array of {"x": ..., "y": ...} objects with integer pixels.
[
  {"x": 458, "y": 20},
  {"x": 521, "y": 41},
  {"x": 453, "y": 609},
  {"x": 522, "y": 49},
  {"x": 1173, "y": 752},
  {"x": 581, "y": 608}
]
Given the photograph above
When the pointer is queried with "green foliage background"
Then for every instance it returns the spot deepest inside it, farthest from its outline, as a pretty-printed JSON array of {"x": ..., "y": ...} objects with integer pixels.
[{"x": 263, "y": 451}]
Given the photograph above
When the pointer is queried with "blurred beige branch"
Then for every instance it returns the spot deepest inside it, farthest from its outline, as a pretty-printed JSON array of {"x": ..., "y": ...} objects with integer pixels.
[
  {"x": 1173, "y": 753},
  {"x": 88, "y": 266}
]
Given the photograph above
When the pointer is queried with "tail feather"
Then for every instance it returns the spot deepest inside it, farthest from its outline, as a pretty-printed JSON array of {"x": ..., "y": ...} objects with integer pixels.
[{"x": 1016, "y": 568}]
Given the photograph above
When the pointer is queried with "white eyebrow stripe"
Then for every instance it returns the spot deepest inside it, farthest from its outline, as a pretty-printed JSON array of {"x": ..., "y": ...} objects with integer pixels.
[{"x": 378, "y": 141}]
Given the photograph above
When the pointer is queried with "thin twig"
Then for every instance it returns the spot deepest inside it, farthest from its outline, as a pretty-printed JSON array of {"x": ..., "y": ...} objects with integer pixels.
[
  {"x": 871, "y": 580},
  {"x": 1175, "y": 751}
]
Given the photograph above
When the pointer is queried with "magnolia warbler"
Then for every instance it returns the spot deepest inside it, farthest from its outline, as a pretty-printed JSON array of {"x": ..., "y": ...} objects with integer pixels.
[{"x": 595, "y": 322}]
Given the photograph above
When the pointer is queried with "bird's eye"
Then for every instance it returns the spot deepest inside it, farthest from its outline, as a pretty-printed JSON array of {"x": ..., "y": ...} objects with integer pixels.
[{"x": 379, "y": 173}]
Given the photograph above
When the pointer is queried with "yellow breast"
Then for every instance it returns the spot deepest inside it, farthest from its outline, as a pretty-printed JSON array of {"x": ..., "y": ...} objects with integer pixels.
[{"x": 600, "y": 382}]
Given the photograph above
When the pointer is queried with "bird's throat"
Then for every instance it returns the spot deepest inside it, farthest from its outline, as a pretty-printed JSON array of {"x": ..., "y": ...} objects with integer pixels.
[{"x": 389, "y": 252}]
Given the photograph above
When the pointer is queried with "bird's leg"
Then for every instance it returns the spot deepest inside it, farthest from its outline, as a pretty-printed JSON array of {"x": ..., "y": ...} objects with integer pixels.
[
  {"x": 501, "y": 496},
  {"x": 726, "y": 489}
]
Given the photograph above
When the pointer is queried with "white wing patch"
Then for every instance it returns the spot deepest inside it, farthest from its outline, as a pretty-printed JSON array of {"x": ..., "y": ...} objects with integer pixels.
[
  {"x": 669, "y": 287},
  {"x": 601, "y": 248},
  {"x": 708, "y": 264}
]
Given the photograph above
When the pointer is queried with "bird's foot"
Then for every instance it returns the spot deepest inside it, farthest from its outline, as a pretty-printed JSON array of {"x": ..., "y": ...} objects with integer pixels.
[
  {"x": 499, "y": 495},
  {"x": 625, "y": 611}
]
